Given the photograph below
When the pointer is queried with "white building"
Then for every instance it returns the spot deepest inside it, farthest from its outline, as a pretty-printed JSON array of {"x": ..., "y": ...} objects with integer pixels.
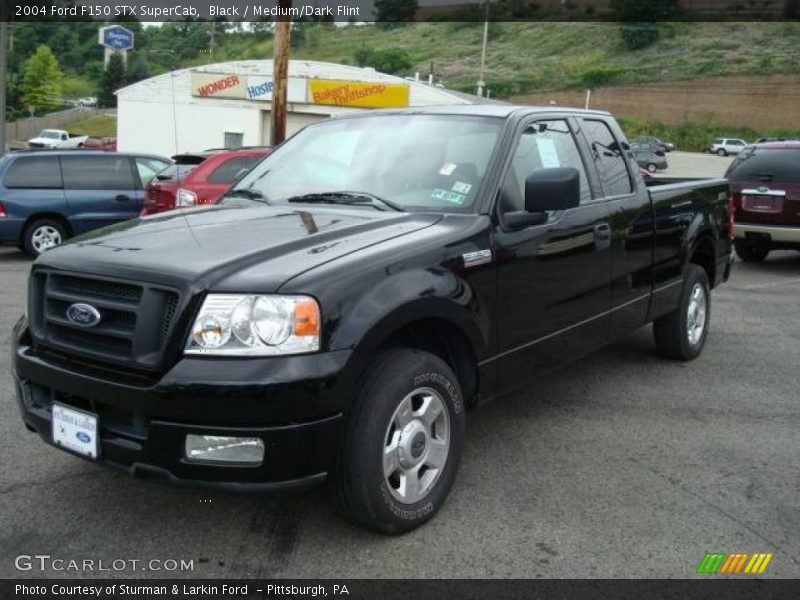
[{"x": 228, "y": 104}]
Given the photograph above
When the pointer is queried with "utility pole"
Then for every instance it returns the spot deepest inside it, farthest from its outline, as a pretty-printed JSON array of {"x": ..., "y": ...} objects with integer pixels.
[
  {"x": 280, "y": 72},
  {"x": 3, "y": 77},
  {"x": 481, "y": 80}
]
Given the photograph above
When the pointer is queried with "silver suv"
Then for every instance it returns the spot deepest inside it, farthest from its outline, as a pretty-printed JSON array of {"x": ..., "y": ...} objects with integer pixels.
[{"x": 725, "y": 146}]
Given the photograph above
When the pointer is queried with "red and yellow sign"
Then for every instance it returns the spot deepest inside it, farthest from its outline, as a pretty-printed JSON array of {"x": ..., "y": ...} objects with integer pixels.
[
  {"x": 358, "y": 93},
  {"x": 218, "y": 85}
]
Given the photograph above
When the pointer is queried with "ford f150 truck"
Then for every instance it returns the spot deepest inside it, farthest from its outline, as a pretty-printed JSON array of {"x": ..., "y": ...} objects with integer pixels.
[
  {"x": 57, "y": 138},
  {"x": 355, "y": 293}
]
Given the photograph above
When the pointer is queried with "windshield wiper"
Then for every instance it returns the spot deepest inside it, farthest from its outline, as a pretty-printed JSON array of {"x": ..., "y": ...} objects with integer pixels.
[
  {"x": 346, "y": 198},
  {"x": 245, "y": 193}
]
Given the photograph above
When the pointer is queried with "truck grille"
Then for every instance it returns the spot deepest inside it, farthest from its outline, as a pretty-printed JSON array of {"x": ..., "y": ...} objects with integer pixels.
[{"x": 135, "y": 322}]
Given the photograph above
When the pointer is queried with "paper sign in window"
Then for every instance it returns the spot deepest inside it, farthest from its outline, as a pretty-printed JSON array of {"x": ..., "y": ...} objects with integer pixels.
[{"x": 547, "y": 153}]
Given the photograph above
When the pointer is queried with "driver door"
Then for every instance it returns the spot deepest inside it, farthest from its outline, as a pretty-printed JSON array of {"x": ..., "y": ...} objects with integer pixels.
[{"x": 554, "y": 279}]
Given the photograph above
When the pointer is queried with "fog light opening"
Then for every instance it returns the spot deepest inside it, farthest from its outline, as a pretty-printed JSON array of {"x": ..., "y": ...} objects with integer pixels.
[{"x": 224, "y": 449}]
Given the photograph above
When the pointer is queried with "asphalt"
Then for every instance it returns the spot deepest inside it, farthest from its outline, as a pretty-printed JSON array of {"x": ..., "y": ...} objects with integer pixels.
[{"x": 621, "y": 465}]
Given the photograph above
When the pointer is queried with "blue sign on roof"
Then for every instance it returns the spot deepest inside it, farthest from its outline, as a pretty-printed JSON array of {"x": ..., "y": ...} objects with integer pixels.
[{"x": 116, "y": 37}]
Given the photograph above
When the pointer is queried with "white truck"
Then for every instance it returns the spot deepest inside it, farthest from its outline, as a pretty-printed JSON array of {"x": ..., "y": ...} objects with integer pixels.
[{"x": 57, "y": 138}]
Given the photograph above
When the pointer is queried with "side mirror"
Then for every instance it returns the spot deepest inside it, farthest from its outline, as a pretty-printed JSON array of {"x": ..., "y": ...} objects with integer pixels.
[{"x": 557, "y": 188}]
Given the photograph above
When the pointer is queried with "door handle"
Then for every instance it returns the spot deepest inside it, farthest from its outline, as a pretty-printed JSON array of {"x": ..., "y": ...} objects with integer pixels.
[{"x": 122, "y": 198}]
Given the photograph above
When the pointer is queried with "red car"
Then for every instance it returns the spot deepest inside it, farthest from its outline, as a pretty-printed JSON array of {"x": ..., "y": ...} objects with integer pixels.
[
  {"x": 765, "y": 181},
  {"x": 197, "y": 179},
  {"x": 108, "y": 144}
]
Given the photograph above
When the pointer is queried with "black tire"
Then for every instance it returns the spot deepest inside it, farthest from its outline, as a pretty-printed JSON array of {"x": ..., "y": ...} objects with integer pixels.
[
  {"x": 652, "y": 168},
  {"x": 750, "y": 252},
  {"x": 671, "y": 332},
  {"x": 721, "y": 152},
  {"x": 359, "y": 482},
  {"x": 29, "y": 243}
]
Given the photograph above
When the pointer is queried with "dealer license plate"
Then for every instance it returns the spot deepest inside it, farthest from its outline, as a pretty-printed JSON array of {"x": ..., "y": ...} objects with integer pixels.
[{"x": 75, "y": 430}]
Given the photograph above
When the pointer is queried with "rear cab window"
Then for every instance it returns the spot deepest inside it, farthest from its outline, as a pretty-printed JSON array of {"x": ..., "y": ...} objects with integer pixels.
[
  {"x": 608, "y": 157},
  {"x": 34, "y": 172}
]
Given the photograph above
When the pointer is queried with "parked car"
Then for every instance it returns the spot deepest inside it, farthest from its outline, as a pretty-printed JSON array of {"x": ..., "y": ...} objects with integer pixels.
[
  {"x": 725, "y": 146},
  {"x": 764, "y": 140},
  {"x": 57, "y": 138},
  {"x": 108, "y": 144},
  {"x": 47, "y": 197},
  {"x": 204, "y": 183},
  {"x": 765, "y": 179},
  {"x": 647, "y": 158},
  {"x": 87, "y": 101},
  {"x": 335, "y": 315},
  {"x": 651, "y": 139},
  {"x": 160, "y": 192}
]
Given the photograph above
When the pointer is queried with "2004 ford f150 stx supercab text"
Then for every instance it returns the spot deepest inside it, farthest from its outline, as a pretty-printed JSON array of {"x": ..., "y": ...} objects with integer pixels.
[{"x": 354, "y": 293}]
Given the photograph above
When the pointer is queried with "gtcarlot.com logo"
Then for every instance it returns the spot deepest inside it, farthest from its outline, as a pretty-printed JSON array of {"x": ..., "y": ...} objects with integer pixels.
[
  {"x": 46, "y": 562},
  {"x": 735, "y": 563}
]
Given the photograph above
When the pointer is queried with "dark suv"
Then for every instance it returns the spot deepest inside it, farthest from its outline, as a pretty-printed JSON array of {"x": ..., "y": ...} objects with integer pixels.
[
  {"x": 49, "y": 196},
  {"x": 765, "y": 180}
]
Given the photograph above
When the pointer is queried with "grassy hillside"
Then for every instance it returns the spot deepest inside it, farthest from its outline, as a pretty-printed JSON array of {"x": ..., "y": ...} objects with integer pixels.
[{"x": 527, "y": 57}]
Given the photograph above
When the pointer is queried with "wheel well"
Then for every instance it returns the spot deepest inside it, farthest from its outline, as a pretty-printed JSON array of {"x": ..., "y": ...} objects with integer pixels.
[
  {"x": 36, "y": 217},
  {"x": 704, "y": 256},
  {"x": 448, "y": 342}
]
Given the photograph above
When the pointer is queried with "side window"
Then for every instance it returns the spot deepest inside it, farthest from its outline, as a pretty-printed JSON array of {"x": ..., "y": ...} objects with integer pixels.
[
  {"x": 97, "y": 173},
  {"x": 39, "y": 172},
  {"x": 147, "y": 168},
  {"x": 229, "y": 169},
  {"x": 608, "y": 157},
  {"x": 543, "y": 145}
]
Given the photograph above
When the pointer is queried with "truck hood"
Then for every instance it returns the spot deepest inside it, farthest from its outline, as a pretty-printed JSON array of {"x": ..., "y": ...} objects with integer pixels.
[
  {"x": 44, "y": 141},
  {"x": 205, "y": 247}
]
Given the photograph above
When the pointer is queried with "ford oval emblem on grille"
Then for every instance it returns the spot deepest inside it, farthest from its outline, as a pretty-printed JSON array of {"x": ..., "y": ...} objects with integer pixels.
[{"x": 84, "y": 315}]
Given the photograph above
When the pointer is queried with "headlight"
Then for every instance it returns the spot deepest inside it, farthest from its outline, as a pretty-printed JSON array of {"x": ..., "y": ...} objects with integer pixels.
[{"x": 251, "y": 325}]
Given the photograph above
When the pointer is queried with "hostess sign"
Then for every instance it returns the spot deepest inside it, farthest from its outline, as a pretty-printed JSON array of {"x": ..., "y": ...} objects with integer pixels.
[
  {"x": 116, "y": 37},
  {"x": 261, "y": 88},
  {"x": 358, "y": 93}
]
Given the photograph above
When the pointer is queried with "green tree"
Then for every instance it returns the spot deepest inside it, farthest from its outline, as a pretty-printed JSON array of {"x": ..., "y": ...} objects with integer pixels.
[
  {"x": 113, "y": 78},
  {"x": 637, "y": 27},
  {"x": 390, "y": 60},
  {"x": 393, "y": 13},
  {"x": 41, "y": 84}
]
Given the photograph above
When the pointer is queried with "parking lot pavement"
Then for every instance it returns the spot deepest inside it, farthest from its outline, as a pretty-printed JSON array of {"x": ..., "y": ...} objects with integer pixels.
[
  {"x": 621, "y": 465},
  {"x": 695, "y": 164}
]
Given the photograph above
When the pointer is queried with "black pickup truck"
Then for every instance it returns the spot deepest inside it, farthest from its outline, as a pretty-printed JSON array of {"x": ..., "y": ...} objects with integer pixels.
[{"x": 355, "y": 293}]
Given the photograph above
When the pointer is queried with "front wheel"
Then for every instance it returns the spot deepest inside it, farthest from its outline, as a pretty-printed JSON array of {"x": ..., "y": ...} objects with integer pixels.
[
  {"x": 404, "y": 443},
  {"x": 682, "y": 334},
  {"x": 652, "y": 167},
  {"x": 722, "y": 152}
]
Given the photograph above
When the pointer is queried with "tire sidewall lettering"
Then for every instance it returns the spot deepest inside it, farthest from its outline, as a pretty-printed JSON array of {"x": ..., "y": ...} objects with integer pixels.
[{"x": 442, "y": 382}]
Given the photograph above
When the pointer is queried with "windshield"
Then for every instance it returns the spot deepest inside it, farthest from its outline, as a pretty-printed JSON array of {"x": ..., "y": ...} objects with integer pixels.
[
  {"x": 413, "y": 162},
  {"x": 50, "y": 134}
]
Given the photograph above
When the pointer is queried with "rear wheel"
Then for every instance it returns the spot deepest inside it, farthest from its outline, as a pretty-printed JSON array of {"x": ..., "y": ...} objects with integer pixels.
[
  {"x": 652, "y": 167},
  {"x": 682, "y": 334},
  {"x": 750, "y": 252},
  {"x": 42, "y": 235},
  {"x": 404, "y": 443}
]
